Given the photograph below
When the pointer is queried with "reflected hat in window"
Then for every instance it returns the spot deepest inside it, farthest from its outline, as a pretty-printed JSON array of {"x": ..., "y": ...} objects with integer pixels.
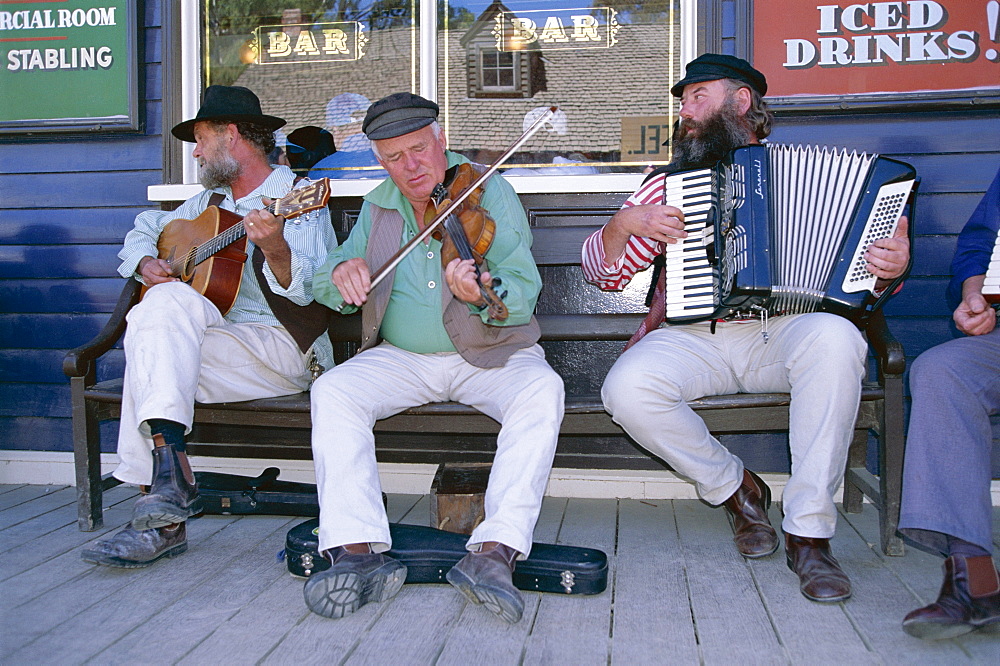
[
  {"x": 231, "y": 103},
  {"x": 714, "y": 66},
  {"x": 398, "y": 114},
  {"x": 346, "y": 108}
]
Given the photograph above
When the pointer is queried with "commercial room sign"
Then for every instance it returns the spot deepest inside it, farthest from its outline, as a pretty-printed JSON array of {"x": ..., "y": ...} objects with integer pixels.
[
  {"x": 68, "y": 65},
  {"x": 845, "y": 49}
]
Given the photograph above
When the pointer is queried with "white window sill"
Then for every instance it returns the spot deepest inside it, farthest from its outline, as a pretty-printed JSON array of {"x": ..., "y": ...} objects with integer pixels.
[{"x": 589, "y": 183}]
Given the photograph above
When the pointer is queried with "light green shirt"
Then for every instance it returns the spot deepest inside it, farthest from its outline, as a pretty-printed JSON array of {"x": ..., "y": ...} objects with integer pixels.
[{"x": 413, "y": 319}]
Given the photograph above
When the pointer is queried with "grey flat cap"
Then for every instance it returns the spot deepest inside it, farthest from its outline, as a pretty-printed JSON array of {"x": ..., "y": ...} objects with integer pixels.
[{"x": 398, "y": 114}]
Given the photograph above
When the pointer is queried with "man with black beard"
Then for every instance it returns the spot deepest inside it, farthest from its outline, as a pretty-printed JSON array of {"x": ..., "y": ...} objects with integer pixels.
[
  {"x": 819, "y": 358},
  {"x": 179, "y": 348}
]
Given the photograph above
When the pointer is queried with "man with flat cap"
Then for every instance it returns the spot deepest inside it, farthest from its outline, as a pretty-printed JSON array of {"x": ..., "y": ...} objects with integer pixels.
[
  {"x": 427, "y": 337},
  {"x": 180, "y": 349},
  {"x": 818, "y": 357}
]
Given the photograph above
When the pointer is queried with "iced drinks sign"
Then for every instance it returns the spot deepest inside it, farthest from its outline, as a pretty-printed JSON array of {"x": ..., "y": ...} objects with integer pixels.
[{"x": 848, "y": 48}]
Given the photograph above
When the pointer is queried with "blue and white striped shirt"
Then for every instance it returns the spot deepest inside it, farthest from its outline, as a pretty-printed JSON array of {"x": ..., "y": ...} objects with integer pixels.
[{"x": 310, "y": 238}]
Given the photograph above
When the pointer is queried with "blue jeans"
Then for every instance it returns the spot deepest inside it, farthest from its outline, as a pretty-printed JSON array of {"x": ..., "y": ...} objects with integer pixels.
[{"x": 946, "y": 474}]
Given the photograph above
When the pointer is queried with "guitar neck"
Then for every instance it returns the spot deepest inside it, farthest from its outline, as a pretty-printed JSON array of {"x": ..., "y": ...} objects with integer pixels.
[
  {"x": 290, "y": 206},
  {"x": 219, "y": 243}
]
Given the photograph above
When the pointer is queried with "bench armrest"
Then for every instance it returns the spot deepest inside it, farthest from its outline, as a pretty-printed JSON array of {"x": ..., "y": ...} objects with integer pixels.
[
  {"x": 77, "y": 361},
  {"x": 888, "y": 350}
]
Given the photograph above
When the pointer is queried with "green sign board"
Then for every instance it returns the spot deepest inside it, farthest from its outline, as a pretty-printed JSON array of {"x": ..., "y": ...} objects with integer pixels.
[{"x": 68, "y": 66}]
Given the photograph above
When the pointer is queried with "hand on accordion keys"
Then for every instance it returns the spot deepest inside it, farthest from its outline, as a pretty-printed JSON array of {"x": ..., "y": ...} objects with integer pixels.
[
  {"x": 657, "y": 222},
  {"x": 887, "y": 258}
]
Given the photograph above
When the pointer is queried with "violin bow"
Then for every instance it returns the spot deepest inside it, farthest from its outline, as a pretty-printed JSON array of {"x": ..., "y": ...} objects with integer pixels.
[{"x": 388, "y": 267}]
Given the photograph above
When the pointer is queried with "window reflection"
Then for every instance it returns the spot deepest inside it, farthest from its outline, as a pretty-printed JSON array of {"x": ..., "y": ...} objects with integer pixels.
[
  {"x": 318, "y": 65},
  {"x": 608, "y": 66}
]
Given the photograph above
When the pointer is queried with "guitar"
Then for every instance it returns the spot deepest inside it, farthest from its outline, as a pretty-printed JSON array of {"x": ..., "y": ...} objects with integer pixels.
[{"x": 214, "y": 267}]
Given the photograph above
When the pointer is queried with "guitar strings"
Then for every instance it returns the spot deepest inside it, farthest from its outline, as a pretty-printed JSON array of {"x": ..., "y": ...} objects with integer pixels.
[{"x": 202, "y": 252}]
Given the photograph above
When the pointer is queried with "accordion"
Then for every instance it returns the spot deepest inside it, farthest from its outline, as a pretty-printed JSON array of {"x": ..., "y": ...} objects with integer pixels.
[
  {"x": 780, "y": 229},
  {"x": 991, "y": 285}
]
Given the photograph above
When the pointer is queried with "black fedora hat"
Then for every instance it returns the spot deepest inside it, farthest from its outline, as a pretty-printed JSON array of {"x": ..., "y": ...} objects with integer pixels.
[{"x": 232, "y": 103}]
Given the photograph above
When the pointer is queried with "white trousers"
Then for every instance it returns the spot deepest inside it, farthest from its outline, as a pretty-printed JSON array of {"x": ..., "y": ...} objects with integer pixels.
[
  {"x": 819, "y": 358},
  {"x": 178, "y": 350},
  {"x": 526, "y": 396}
]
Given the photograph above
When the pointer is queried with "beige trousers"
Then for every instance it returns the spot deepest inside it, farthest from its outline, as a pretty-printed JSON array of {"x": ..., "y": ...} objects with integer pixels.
[
  {"x": 526, "y": 396},
  {"x": 179, "y": 350},
  {"x": 819, "y": 358}
]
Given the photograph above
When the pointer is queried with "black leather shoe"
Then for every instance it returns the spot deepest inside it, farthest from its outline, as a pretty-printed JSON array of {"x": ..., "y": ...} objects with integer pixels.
[
  {"x": 485, "y": 578},
  {"x": 820, "y": 576},
  {"x": 133, "y": 549},
  {"x": 969, "y": 600},
  {"x": 354, "y": 580},
  {"x": 173, "y": 497},
  {"x": 747, "y": 513}
]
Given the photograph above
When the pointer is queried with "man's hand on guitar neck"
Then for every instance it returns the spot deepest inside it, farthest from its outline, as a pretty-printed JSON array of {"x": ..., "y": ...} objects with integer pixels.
[
  {"x": 267, "y": 232},
  {"x": 155, "y": 271}
]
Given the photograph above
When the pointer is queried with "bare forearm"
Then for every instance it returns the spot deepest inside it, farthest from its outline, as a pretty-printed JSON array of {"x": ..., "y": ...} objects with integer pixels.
[
  {"x": 280, "y": 261},
  {"x": 973, "y": 286}
]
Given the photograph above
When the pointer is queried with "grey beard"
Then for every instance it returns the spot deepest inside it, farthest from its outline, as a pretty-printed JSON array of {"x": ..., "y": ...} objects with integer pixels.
[
  {"x": 718, "y": 135},
  {"x": 222, "y": 172}
]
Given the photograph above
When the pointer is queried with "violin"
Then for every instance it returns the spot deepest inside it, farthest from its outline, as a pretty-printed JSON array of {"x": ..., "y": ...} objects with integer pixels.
[
  {"x": 456, "y": 200},
  {"x": 468, "y": 231}
]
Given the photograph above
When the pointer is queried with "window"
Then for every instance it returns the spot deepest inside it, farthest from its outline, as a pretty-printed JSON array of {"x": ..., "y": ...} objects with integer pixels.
[
  {"x": 493, "y": 67},
  {"x": 498, "y": 72},
  {"x": 318, "y": 66},
  {"x": 607, "y": 66}
]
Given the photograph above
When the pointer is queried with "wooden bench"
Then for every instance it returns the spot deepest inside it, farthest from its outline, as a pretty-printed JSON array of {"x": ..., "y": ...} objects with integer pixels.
[{"x": 583, "y": 331}]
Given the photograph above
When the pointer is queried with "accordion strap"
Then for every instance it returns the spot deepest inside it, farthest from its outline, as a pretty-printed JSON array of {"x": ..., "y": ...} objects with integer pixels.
[{"x": 657, "y": 309}]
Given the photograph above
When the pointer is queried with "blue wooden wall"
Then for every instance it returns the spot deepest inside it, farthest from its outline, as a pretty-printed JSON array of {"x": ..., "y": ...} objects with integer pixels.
[{"x": 66, "y": 202}]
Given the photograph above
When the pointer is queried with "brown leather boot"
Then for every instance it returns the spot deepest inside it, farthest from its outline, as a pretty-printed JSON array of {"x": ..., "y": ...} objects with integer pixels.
[
  {"x": 820, "y": 576},
  {"x": 969, "y": 600},
  {"x": 132, "y": 549},
  {"x": 173, "y": 496},
  {"x": 357, "y": 577},
  {"x": 747, "y": 513},
  {"x": 485, "y": 577}
]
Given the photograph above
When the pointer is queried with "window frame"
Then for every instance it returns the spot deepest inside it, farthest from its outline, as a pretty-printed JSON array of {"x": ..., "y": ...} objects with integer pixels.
[{"x": 191, "y": 60}]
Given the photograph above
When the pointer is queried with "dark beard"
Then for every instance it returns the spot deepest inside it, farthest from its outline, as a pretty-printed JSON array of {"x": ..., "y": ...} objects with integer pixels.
[
  {"x": 716, "y": 136},
  {"x": 222, "y": 172}
]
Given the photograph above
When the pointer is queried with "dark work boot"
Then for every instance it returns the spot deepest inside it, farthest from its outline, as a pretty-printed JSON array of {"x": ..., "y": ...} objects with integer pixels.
[
  {"x": 354, "y": 580},
  {"x": 747, "y": 513},
  {"x": 484, "y": 577},
  {"x": 173, "y": 496},
  {"x": 969, "y": 600},
  {"x": 133, "y": 549}
]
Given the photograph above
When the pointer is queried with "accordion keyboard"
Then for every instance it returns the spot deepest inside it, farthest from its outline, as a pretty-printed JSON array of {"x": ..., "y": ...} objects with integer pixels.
[
  {"x": 690, "y": 282},
  {"x": 991, "y": 286}
]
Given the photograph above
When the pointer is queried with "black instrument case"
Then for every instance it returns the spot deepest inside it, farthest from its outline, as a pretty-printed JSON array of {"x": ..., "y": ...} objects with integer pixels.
[{"x": 429, "y": 553}]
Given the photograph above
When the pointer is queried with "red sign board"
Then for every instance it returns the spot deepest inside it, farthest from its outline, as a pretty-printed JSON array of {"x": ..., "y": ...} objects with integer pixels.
[{"x": 847, "y": 48}]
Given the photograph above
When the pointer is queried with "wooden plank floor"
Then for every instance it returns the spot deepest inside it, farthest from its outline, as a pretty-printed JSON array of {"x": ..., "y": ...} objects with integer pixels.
[{"x": 679, "y": 593}]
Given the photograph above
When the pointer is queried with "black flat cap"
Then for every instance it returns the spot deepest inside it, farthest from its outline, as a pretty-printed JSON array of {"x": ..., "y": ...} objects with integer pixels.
[
  {"x": 231, "y": 103},
  {"x": 713, "y": 66},
  {"x": 398, "y": 114}
]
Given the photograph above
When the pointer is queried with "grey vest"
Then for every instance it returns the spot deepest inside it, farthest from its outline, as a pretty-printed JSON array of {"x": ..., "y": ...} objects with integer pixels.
[{"x": 480, "y": 344}]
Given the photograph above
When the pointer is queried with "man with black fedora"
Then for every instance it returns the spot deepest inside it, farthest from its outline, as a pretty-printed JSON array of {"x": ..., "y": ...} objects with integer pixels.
[
  {"x": 180, "y": 349},
  {"x": 427, "y": 336},
  {"x": 818, "y": 357}
]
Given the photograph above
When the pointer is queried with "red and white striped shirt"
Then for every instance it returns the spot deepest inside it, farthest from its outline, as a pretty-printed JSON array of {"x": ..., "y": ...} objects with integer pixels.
[{"x": 639, "y": 252}]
